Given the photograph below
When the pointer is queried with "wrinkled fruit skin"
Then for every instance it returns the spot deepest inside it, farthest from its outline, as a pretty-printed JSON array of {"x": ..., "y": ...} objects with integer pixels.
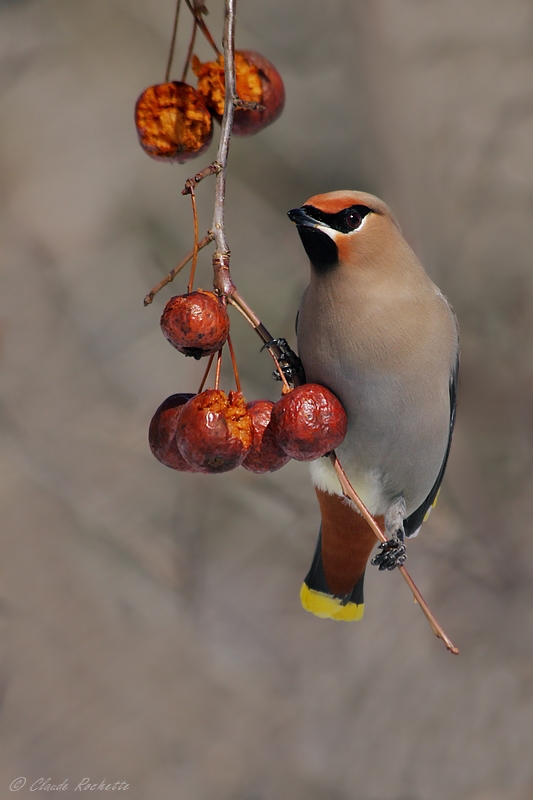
[
  {"x": 162, "y": 433},
  {"x": 265, "y": 454},
  {"x": 196, "y": 324},
  {"x": 247, "y": 123},
  {"x": 257, "y": 81},
  {"x": 172, "y": 122},
  {"x": 309, "y": 422},
  {"x": 214, "y": 431}
]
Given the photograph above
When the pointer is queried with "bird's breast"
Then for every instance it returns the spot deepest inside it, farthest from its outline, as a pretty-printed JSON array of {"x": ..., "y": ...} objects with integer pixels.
[{"x": 387, "y": 364}]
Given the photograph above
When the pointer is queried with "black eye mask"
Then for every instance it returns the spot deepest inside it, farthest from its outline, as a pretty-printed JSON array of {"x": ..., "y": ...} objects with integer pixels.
[{"x": 345, "y": 221}]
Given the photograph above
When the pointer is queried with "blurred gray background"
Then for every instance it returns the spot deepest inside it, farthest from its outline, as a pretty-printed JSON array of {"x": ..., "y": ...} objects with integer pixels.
[{"x": 151, "y": 625}]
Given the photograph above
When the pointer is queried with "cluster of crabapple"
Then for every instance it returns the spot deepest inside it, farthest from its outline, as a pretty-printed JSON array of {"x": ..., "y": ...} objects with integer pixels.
[
  {"x": 215, "y": 432},
  {"x": 175, "y": 121},
  {"x": 212, "y": 431}
]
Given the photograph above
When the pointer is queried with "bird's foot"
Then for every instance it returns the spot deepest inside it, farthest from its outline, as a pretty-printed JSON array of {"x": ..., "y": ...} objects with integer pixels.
[
  {"x": 392, "y": 554},
  {"x": 289, "y": 362}
]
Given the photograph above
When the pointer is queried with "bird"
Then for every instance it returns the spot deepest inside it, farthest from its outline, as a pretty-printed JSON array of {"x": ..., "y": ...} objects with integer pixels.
[{"x": 374, "y": 329}]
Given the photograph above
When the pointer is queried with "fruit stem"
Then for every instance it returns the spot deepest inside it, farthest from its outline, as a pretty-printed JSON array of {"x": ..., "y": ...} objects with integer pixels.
[
  {"x": 286, "y": 388},
  {"x": 201, "y": 24},
  {"x": 349, "y": 492},
  {"x": 195, "y": 248},
  {"x": 219, "y": 365},
  {"x": 172, "y": 41},
  {"x": 191, "y": 47},
  {"x": 172, "y": 274},
  {"x": 206, "y": 373},
  {"x": 234, "y": 364}
]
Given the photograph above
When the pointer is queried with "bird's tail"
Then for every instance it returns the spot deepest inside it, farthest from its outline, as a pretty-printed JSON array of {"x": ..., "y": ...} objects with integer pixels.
[
  {"x": 333, "y": 587},
  {"x": 317, "y": 598}
]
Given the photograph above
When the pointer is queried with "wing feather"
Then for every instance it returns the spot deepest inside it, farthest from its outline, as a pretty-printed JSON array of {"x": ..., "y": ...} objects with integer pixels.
[{"x": 414, "y": 521}]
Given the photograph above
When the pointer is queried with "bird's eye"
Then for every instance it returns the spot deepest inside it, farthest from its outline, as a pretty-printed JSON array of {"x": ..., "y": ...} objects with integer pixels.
[{"x": 353, "y": 220}]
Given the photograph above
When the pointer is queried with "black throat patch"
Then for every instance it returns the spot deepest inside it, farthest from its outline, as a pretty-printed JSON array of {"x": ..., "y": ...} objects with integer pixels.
[{"x": 320, "y": 248}]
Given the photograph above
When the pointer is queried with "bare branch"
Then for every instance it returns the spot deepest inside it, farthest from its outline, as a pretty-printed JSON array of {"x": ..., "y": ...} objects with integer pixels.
[
  {"x": 172, "y": 274},
  {"x": 190, "y": 183},
  {"x": 222, "y": 280}
]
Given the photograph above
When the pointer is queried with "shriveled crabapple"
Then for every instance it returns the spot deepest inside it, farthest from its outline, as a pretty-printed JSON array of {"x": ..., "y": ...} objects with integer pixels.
[
  {"x": 214, "y": 431},
  {"x": 173, "y": 123},
  {"x": 308, "y": 422},
  {"x": 257, "y": 81},
  {"x": 196, "y": 324},
  {"x": 162, "y": 433},
  {"x": 265, "y": 453}
]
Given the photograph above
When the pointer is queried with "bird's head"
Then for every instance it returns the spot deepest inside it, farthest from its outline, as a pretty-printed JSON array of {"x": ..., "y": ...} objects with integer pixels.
[{"x": 343, "y": 228}]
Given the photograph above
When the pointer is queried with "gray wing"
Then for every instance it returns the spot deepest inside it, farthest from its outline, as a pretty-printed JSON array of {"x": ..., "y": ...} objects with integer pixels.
[{"x": 415, "y": 520}]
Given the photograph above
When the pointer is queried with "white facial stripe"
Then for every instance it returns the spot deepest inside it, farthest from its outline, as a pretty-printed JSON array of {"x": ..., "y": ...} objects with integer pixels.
[
  {"x": 331, "y": 232},
  {"x": 362, "y": 225}
]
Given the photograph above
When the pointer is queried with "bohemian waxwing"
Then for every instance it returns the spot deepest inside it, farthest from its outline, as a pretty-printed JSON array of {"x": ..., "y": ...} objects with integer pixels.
[{"x": 376, "y": 331}]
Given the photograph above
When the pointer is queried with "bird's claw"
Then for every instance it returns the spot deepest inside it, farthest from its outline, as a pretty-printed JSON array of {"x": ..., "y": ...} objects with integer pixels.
[
  {"x": 392, "y": 555},
  {"x": 289, "y": 362}
]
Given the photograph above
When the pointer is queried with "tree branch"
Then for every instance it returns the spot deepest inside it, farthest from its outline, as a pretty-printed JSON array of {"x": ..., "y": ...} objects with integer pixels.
[
  {"x": 221, "y": 257},
  {"x": 287, "y": 363}
]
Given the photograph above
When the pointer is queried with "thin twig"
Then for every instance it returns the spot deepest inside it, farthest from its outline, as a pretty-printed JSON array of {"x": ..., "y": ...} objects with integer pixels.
[
  {"x": 191, "y": 47},
  {"x": 206, "y": 373},
  {"x": 219, "y": 365},
  {"x": 172, "y": 274},
  {"x": 234, "y": 364},
  {"x": 172, "y": 41},
  {"x": 190, "y": 183},
  {"x": 250, "y": 316},
  {"x": 248, "y": 105},
  {"x": 195, "y": 248},
  {"x": 351, "y": 494},
  {"x": 203, "y": 27}
]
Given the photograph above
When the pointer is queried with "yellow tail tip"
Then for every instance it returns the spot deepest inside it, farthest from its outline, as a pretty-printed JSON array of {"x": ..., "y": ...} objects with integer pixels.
[{"x": 327, "y": 607}]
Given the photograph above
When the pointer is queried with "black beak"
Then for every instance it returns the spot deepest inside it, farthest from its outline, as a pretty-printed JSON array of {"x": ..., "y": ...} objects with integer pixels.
[{"x": 301, "y": 219}]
